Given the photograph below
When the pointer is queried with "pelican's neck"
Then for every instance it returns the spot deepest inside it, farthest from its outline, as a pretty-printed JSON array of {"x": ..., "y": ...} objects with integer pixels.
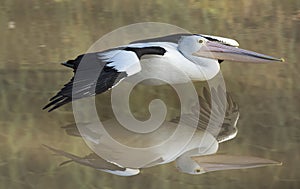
[{"x": 207, "y": 68}]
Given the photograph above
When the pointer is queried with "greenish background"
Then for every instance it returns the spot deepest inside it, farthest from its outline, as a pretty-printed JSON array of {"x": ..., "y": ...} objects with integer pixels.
[{"x": 35, "y": 36}]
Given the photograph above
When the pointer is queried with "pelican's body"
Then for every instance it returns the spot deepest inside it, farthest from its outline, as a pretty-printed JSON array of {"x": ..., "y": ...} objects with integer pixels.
[{"x": 173, "y": 59}]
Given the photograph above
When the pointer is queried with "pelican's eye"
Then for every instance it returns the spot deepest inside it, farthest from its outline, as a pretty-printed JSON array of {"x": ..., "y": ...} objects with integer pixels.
[
  {"x": 200, "y": 41},
  {"x": 197, "y": 170}
]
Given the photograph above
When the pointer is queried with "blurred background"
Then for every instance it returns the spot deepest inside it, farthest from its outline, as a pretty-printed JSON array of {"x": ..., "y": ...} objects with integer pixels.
[{"x": 36, "y": 36}]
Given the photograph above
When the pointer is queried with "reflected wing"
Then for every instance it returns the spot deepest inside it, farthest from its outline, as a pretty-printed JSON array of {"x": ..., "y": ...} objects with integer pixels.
[
  {"x": 211, "y": 119},
  {"x": 218, "y": 162},
  {"x": 91, "y": 160},
  {"x": 100, "y": 71},
  {"x": 94, "y": 161}
]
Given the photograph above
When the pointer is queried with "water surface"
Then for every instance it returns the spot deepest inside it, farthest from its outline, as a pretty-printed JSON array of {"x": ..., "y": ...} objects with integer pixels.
[{"x": 37, "y": 35}]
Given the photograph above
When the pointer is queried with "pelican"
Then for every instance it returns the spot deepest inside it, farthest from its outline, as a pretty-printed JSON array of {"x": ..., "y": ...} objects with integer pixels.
[
  {"x": 197, "y": 157},
  {"x": 198, "y": 56}
]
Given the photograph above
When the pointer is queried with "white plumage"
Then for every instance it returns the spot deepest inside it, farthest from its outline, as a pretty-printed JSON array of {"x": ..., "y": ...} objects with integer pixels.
[{"x": 131, "y": 64}]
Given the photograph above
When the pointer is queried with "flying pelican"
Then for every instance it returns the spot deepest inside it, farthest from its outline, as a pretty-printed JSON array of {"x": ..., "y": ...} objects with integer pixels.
[
  {"x": 198, "y": 155},
  {"x": 196, "y": 55}
]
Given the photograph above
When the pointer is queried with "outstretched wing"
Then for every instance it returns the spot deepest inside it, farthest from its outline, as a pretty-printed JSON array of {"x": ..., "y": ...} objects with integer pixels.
[
  {"x": 98, "y": 72},
  {"x": 91, "y": 160},
  {"x": 210, "y": 118}
]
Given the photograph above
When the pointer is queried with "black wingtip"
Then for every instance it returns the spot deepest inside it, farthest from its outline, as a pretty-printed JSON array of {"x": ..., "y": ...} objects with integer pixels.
[
  {"x": 67, "y": 64},
  {"x": 54, "y": 97},
  {"x": 58, "y": 102},
  {"x": 53, "y": 108},
  {"x": 47, "y": 106},
  {"x": 54, "y": 101}
]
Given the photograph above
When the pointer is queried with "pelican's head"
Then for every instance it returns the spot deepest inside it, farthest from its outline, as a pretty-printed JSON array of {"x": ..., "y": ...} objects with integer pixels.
[
  {"x": 187, "y": 165},
  {"x": 219, "y": 48}
]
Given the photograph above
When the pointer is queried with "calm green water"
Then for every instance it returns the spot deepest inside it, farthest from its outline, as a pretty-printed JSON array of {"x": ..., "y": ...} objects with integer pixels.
[{"x": 35, "y": 36}]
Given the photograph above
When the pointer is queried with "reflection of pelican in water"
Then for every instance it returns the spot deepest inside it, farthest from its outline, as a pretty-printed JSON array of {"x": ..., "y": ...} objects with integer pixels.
[{"x": 198, "y": 155}]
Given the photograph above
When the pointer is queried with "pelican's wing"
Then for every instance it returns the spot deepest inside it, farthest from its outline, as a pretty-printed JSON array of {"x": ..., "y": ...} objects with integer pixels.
[
  {"x": 100, "y": 71},
  {"x": 94, "y": 161},
  {"x": 211, "y": 119},
  {"x": 218, "y": 162}
]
